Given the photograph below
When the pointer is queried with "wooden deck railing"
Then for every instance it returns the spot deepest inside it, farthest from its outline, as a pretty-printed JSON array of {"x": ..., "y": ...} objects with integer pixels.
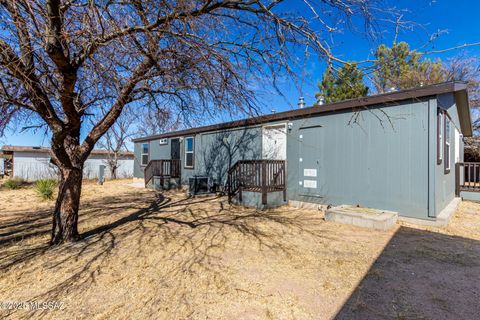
[
  {"x": 262, "y": 176},
  {"x": 162, "y": 168},
  {"x": 467, "y": 176}
]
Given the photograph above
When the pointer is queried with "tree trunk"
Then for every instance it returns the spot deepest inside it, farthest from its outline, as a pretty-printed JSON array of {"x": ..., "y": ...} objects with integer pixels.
[
  {"x": 65, "y": 216},
  {"x": 113, "y": 172}
]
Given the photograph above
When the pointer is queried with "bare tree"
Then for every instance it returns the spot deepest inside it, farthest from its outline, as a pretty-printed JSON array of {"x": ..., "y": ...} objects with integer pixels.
[
  {"x": 155, "y": 120},
  {"x": 61, "y": 60},
  {"x": 116, "y": 138},
  {"x": 466, "y": 68},
  {"x": 472, "y": 149},
  {"x": 133, "y": 122}
]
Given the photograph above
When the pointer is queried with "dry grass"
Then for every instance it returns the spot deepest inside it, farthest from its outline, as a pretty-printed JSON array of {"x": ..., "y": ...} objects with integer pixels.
[{"x": 163, "y": 256}]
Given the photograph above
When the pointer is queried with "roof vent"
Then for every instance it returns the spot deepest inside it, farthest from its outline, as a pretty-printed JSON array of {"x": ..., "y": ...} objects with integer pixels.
[
  {"x": 301, "y": 103},
  {"x": 37, "y": 148},
  {"x": 320, "y": 100},
  {"x": 392, "y": 89}
]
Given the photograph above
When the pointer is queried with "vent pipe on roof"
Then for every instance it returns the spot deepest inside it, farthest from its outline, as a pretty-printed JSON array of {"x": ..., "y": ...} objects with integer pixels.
[
  {"x": 301, "y": 103},
  {"x": 392, "y": 89},
  {"x": 320, "y": 100}
]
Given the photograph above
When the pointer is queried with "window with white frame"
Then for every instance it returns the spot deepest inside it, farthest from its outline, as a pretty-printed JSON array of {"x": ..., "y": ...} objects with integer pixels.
[
  {"x": 189, "y": 156},
  {"x": 439, "y": 136},
  {"x": 145, "y": 154},
  {"x": 447, "y": 145}
]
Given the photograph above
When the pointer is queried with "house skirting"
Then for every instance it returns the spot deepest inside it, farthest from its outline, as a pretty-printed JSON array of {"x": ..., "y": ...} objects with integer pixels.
[
  {"x": 471, "y": 196},
  {"x": 442, "y": 219}
]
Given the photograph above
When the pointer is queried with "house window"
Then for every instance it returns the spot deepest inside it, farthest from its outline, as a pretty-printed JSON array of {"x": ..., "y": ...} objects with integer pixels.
[
  {"x": 145, "y": 154},
  {"x": 189, "y": 152},
  {"x": 447, "y": 145},
  {"x": 439, "y": 137}
]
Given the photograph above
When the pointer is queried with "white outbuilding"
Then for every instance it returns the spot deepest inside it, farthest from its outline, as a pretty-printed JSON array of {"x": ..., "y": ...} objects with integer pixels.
[{"x": 33, "y": 163}]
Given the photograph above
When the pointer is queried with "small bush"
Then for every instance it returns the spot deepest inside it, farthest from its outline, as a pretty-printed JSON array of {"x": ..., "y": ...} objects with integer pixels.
[
  {"x": 46, "y": 188},
  {"x": 13, "y": 184}
]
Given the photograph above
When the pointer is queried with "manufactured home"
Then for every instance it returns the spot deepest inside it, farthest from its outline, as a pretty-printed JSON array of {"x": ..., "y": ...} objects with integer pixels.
[
  {"x": 33, "y": 163},
  {"x": 397, "y": 151}
]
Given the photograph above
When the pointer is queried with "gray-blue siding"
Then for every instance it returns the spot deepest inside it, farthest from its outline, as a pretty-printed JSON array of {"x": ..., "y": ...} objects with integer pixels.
[
  {"x": 445, "y": 182},
  {"x": 215, "y": 152},
  {"x": 375, "y": 158},
  {"x": 383, "y": 157}
]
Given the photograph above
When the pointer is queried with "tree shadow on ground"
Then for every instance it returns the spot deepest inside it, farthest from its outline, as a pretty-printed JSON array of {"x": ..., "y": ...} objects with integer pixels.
[
  {"x": 420, "y": 275},
  {"x": 198, "y": 228}
]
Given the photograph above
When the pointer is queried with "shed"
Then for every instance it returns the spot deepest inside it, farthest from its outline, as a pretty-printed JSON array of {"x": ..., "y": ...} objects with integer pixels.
[{"x": 33, "y": 163}]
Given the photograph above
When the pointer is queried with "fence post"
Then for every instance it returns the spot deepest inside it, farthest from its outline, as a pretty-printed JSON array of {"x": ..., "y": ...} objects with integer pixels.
[
  {"x": 161, "y": 174},
  {"x": 241, "y": 173},
  {"x": 264, "y": 183}
]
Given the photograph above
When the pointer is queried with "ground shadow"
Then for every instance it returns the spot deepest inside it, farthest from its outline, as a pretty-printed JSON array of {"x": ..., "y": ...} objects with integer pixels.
[
  {"x": 198, "y": 228},
  {"x": 420, "y": 275}
]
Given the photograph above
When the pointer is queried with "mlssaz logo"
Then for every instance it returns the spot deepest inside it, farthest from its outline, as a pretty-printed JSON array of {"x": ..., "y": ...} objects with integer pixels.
[{"x": 31, "y": 305}]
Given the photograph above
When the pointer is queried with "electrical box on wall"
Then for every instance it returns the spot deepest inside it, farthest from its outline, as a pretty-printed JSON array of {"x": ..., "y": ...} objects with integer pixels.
[{"x": 163, "y": 141}]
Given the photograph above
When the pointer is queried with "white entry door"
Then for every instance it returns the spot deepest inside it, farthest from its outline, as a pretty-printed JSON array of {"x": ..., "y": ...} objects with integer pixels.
[{"x": 275, "y": 142}]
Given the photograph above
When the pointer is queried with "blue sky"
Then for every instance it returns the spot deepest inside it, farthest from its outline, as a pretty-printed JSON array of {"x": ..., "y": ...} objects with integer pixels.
[
  {"x": 458, "y": 21},
  {"x": 458, "y": 18}
]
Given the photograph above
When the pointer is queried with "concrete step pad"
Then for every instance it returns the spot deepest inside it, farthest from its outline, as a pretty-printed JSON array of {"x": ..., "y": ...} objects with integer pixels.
[{"x": 362, "y": 217}]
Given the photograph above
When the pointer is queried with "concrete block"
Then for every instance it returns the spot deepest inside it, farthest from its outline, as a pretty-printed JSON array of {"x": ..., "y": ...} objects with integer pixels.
[
  {"x": 307, "y": 205},
  {"x": 362, "y": 217}
]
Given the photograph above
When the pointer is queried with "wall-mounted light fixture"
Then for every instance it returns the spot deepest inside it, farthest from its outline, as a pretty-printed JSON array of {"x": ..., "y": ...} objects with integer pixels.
[
  {"x": 180, "y": 139},
  {"x": 290, "y": 126}
]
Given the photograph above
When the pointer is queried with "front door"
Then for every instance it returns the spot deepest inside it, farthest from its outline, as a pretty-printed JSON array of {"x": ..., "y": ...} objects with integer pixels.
[
  {"x": 274, "y": 142},
  {"x": 175, "y": 149}
]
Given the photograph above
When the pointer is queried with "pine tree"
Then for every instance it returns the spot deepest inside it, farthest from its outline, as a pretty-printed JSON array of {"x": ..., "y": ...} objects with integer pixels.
[
  {"x": 400, "y": 68},
  {"x": 346, "y": 83}
]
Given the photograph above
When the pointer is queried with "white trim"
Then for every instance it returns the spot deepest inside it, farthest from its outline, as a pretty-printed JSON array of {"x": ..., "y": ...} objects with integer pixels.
[
  {"x": 284, "y": 130},
  {"x": 448, "y": 155},
  {"x": 458, "y": 142},
  {"x": 143, "y": 154},
  {"x": 440, "y": 135},
  {"x": 187, "y": 152}
]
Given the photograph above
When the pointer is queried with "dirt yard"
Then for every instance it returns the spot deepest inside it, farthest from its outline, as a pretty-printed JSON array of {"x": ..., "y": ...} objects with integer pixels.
[{"x": 147, "y": 255}]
